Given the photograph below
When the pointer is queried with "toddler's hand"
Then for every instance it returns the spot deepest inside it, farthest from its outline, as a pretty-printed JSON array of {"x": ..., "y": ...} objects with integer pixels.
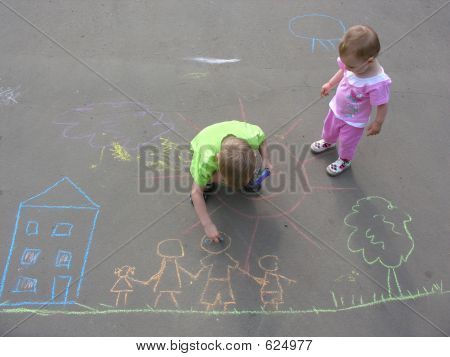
[
  {"x": 212, "y": 232},
  {"x": 326, "y": 88},
  {"x": 373, "y": 129}
]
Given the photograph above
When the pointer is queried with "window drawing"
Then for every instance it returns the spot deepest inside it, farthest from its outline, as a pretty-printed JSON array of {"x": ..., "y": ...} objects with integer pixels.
[{"x": 62, "y": 230}]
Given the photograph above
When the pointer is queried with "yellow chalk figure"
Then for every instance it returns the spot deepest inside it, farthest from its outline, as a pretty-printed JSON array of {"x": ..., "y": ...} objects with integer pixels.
[
  {"x": 271, "y": 292},
  {"x": 168, "y": 280},
  {"x": 217, "y": 290},
  {"x": 123, "y": 286}
]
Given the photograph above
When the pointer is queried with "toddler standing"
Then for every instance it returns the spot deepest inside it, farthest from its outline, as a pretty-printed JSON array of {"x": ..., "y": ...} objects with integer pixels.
[{"x": 362, "y": 84}]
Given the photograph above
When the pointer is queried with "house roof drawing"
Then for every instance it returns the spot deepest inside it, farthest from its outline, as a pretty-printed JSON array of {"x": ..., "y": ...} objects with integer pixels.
[{"x": 62, "y": 194}]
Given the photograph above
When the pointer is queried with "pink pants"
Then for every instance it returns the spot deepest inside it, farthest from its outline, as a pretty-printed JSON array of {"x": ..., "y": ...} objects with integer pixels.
[{"x": 346, "y": 136}]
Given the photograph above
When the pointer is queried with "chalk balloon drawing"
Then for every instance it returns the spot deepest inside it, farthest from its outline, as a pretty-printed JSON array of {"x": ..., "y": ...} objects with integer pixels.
[{"x": 322, "y": 30}]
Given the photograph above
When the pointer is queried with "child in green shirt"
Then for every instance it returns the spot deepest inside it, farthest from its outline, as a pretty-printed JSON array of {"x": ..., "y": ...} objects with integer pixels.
[{"x": 223, "y": 153}]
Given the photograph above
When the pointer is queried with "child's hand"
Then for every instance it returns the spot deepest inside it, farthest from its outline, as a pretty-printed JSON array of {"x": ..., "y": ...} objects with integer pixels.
[
  {"x": 326, "y": 88},
  {"x": 267, "y": 164},
  {"x": 212, "y": 232},
  {"x": 374, "y": 128}
]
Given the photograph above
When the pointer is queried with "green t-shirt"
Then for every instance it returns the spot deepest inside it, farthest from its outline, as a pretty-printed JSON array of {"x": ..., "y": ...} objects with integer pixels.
[{"x": 207, "y": 144}]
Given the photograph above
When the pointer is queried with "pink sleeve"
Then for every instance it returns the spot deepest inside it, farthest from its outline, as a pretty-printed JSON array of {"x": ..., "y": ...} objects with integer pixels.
[
  {"x": 340, "y": 63},
  {"x": 380, "y": 93}
]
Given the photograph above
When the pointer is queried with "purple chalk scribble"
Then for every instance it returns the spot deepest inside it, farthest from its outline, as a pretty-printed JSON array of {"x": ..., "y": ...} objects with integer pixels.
[{"x": 126, "y": 123}]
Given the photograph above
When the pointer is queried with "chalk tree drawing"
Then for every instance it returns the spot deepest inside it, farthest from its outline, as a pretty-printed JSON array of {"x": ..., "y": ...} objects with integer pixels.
[
  {"x": 46, "y": 254},
  {"x": 123, "y": 286},
  {"x": 9, "y": 95},
  {"x": 115, "y": 125},
  {"x": 320, "y": 29},
  {"x": 380, "y": 234}
]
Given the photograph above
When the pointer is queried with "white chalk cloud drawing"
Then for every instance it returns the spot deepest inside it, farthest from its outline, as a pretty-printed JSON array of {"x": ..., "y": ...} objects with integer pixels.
[
  {"x": 210, "y": 60},
  {"x": 9, "y": 95}
]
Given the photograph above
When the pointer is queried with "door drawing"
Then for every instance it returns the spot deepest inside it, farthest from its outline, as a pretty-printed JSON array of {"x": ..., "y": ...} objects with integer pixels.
[{"x": 60, "y": 290}]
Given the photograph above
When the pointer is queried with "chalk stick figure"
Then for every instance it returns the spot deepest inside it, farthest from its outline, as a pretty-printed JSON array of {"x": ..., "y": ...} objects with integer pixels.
[
  {"x": 217, "y": 290},
  {"x": 168, "y": 280},
  {"x": 123, "y": 285},
  {"x": 271, "y": 292}
]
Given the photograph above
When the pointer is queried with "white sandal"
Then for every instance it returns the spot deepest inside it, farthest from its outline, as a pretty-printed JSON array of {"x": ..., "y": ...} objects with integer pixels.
[
  {"x": 338, "y": 167},
  {"x": 320, "y": 146}
]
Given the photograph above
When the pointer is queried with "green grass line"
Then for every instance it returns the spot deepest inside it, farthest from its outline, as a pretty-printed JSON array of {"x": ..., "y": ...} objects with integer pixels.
[{"x": 314, "y": 310}]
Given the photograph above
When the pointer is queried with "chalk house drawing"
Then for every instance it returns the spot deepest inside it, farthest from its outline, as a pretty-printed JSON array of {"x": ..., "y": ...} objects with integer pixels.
[
  {"x": 320, "y": 29},
  {"x": 50, "y": 247}
]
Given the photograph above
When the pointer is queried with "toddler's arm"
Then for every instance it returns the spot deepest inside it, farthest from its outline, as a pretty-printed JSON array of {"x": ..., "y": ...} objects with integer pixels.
[
  {"x": 375, "y": 127},
  {"x": 202, "y": 213},
  {"x": 333, "y": 82}
]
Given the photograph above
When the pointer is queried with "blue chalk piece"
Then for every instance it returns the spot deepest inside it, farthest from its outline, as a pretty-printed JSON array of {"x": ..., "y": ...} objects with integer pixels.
[
  {"x": 255, "y": 184},
  {"x": 262, "y": 176}
]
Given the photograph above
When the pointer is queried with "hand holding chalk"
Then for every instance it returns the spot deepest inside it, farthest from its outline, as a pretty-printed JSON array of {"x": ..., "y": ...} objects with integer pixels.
[{"x": 211, "y": 232}]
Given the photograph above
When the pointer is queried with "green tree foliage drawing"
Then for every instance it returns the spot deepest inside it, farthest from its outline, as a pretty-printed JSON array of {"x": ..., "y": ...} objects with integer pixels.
[{"x": 380, "y": 233}]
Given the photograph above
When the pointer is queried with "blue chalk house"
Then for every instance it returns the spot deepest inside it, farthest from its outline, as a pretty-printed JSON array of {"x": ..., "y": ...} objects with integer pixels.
[{"x": 50, "y": 247}]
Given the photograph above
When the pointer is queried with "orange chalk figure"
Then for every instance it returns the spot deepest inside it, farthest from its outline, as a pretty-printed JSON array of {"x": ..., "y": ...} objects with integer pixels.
[
  {"x": 123, "y": 286},
  {"x": 271, "y": 292},
  {"x": 217, "y": 290},
  {"x": 168, "y": 280}
]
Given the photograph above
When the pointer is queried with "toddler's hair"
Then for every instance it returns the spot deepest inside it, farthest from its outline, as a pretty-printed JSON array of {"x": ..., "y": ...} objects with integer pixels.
[
  {"x": 361, "y": 41},
  {"x": 237, "y": 162}
]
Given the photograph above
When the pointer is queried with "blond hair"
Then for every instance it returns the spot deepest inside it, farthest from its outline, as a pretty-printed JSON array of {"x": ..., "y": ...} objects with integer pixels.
[
  {"x": 361, "y": 41},
  {"x": 237, "y": 162}
]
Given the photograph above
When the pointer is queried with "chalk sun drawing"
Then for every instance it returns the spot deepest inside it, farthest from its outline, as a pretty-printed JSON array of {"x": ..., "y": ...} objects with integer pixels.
[
  {"x": 257, "y": 208},
  {"x": 320, "y": 29},
  {"x": 104, "y": 125}
]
